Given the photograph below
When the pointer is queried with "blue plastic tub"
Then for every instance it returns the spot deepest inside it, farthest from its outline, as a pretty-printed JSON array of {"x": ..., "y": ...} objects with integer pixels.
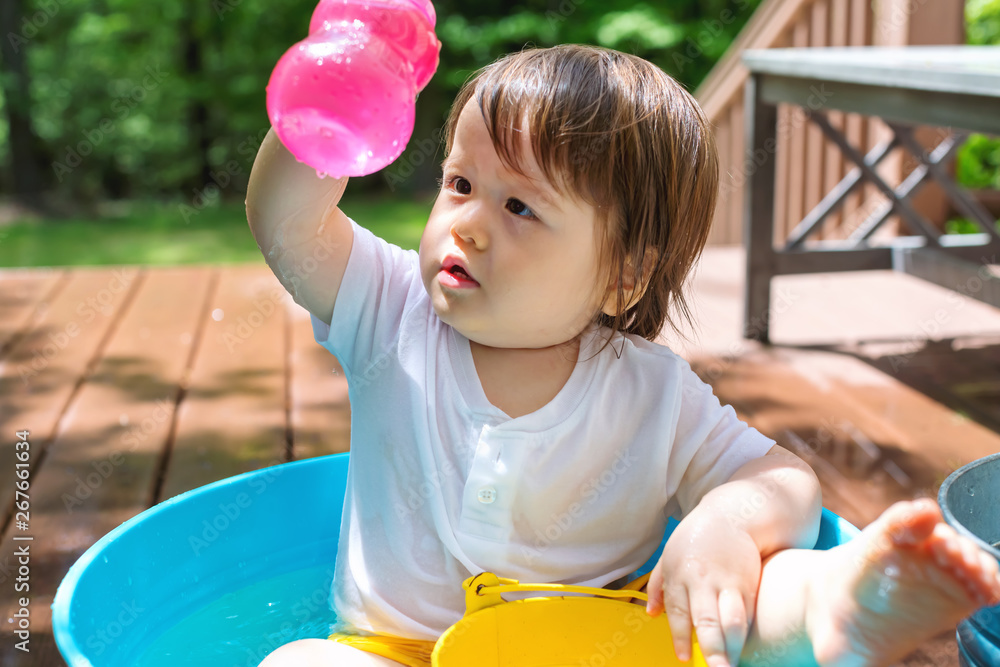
[
  {"x": 969, "y": 499},
  {"x": 223, "y": 574}
]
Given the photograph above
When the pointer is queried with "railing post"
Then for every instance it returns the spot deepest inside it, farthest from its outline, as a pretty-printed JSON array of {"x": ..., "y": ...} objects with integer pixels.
[{"x": 758, "y": 210}]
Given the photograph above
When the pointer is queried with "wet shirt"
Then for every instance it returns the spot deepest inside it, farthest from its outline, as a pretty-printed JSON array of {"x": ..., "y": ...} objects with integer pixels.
[{"x": 443, "y": 485}]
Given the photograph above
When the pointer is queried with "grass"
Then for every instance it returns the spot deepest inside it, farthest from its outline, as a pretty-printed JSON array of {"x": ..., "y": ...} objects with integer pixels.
[{"x": 157, "y": 233}]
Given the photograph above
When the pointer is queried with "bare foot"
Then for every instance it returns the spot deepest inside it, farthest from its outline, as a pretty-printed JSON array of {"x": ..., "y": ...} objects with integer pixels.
[{"x": 907, "y": 577}]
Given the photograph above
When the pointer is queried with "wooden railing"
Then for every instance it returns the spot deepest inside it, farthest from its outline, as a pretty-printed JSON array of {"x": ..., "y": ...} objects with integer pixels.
[{"x": 807, "y": 164}]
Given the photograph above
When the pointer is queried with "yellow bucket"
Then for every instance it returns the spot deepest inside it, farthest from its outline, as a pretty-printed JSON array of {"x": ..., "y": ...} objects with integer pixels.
[{"x": 603, "y": 630}]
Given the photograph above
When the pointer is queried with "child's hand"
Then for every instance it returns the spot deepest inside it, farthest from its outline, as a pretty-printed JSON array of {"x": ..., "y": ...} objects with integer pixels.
[{"x": 709, "y": 574}]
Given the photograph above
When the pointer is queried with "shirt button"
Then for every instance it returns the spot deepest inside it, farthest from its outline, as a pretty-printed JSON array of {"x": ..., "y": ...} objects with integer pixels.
[{"x": 487, "y": 495}]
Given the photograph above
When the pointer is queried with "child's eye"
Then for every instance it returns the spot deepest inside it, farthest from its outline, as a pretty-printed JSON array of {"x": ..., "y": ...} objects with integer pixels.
[
  {"x": 519, "y": 208},
  {"x": 461, "y": 185}
]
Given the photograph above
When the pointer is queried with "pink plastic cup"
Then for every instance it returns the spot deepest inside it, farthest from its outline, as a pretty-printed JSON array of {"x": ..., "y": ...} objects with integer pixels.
[
  {"x": 342, "y": 100},
  {"x": 407, "y": 25}
]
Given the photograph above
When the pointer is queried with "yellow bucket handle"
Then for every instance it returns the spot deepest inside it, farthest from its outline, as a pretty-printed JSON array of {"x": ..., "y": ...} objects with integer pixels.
[{"x": 484, "y": 589}]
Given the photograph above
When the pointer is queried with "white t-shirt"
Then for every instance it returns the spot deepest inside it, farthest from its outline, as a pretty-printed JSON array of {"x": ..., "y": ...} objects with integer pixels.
[{"x": 443, "y": 485}]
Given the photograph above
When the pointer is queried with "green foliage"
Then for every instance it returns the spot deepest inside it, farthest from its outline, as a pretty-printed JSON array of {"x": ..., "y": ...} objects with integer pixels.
[
  {"x": 641, "y": 25},
  {"x": 978, "y": 160},
  {"x": 982, "y": 22},
  {"x": 135, "y": 100},
  {"x": 962, "y": 226}
]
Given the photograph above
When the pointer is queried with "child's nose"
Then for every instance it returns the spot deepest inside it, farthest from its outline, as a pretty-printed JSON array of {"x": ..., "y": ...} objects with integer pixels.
[{"x": 470, "y": 225}]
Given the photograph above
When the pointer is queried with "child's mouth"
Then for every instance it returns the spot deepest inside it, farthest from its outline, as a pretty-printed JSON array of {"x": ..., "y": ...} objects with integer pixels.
[{"x": 456, "y": 278}]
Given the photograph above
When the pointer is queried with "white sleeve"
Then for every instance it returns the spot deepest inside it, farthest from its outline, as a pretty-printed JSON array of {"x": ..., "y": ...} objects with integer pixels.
[
  {"x": 710, "y": 444},
  {"x": 380, "y": 282}
]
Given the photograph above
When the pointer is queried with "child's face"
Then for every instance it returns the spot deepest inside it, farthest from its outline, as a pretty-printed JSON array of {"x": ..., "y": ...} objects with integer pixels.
[{"x": 530, "y": 250}]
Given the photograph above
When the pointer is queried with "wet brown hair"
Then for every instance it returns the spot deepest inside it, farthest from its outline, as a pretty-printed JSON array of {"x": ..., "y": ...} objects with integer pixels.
[{"x": 618, "y": 132}]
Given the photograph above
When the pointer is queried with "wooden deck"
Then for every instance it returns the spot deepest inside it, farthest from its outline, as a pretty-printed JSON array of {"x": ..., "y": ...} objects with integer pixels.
[{"x": 137, "y": 384}]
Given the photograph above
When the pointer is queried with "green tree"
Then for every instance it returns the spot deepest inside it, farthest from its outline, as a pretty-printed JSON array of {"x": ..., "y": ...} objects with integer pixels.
[
  {"x": 128, "y": 102},
  {"x": 978, "y": 161}
]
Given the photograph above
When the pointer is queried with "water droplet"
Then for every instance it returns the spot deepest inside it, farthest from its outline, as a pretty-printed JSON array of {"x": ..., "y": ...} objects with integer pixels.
[
  {"x": 321, "y": 174},
  {"x": 319, "y": 62},
  {"x": 395, "y": 143},
  {"x": 972, "y": 490},
  {"x": 348, "y": 60},
  {"x": 371, "y": 154}
]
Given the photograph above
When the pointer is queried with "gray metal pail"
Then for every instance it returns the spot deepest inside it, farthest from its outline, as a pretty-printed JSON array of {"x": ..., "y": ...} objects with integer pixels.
[{"x": 970, "y": 501}]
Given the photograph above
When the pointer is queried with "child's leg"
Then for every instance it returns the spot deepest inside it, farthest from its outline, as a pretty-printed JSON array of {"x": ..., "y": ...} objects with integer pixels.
[
  {"x": 906, "y": 578},
  {"x": 323, "y": 653}
]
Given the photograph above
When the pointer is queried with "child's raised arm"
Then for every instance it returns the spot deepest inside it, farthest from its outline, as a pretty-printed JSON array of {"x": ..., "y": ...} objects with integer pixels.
[{"x": 293, "y": 214}]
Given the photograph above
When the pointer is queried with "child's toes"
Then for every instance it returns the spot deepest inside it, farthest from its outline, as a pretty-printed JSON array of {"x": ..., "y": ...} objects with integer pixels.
[
  {"x": 989, "y": 577},
  {"x": 911, "y": 522},
  {"x": 946, "y": 546},
  {"x": 970, "y": 558},
  {"x": 962, "y": 558}
]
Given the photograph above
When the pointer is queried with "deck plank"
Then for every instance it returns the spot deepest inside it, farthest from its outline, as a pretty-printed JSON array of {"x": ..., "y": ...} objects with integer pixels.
[
  {"x": 43, "y": 368},
  {"x": 102, "y": 465},
  {"x": 320, "y": 411},
  {"x": 21, "y": 295},
  {"x": 233, "y": 416},
  {"x": 831, "y": 387},
  {"x": 871, "y": 439}
]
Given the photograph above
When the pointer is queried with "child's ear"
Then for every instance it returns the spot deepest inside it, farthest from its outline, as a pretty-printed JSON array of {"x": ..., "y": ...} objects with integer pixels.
[{"x": 628, "y": 282}]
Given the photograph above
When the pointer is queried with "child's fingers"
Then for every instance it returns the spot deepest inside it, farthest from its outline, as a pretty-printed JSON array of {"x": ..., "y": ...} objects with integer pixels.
[
  {"x": 675, "y": 603},
  {"x": 734, "y": 620},
  {"x": 654, "y": 589},
  {"x": 707, "y": 626}
]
